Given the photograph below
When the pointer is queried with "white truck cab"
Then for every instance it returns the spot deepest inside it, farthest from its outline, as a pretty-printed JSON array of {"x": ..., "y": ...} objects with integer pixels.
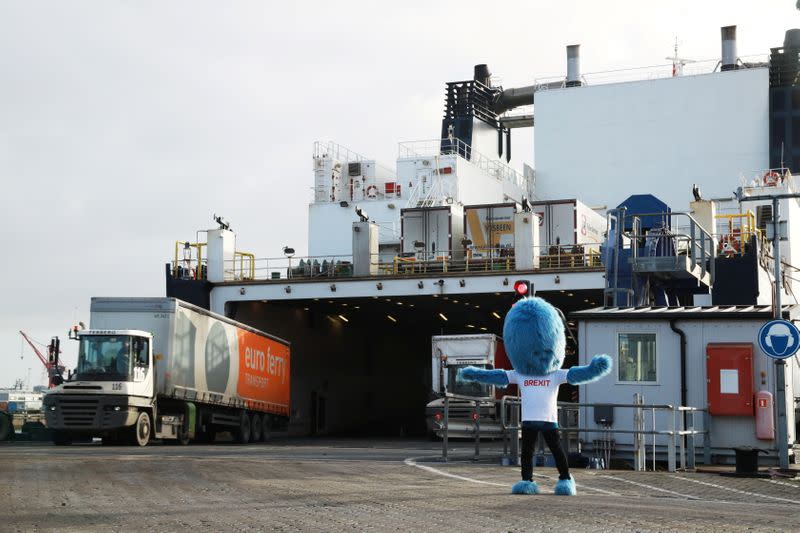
[{"x": 111, "y": 387}]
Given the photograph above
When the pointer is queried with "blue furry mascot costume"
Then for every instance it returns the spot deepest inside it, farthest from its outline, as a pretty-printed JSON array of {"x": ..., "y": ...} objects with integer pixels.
[{"x": 534, "y": 340}]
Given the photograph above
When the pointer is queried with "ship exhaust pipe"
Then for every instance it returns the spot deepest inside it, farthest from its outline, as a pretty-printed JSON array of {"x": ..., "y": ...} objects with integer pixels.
[
  {"x": 482, "y": 74},
  {"x": 729, "y": 55},
  {"x": 574, "y": 65}
]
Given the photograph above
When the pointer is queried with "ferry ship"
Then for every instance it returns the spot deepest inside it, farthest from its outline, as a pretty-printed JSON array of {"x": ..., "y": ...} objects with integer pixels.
[{"x": 631, "y": 204}]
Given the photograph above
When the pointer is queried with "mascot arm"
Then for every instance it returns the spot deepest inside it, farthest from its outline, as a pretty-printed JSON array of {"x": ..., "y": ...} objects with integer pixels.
[
  {"x": 490, "y": 377},
  {"x": 598, "y": 367}
]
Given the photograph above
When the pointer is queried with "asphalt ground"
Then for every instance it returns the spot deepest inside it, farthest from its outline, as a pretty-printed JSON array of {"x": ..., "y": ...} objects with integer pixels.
[{"x": 359, "y": 485}]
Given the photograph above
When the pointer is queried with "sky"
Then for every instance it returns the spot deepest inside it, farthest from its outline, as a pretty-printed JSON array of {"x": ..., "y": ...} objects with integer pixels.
[{"x": 124, "y": 125}]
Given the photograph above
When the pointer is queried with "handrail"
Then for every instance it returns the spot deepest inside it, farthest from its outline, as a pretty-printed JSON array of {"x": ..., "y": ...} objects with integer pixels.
[
  {"x": 677, "y": 435},
  {"x": 432, "y": 147},
  {"x": 550, "y": 259},
  {"x": 198, "y": 246}
]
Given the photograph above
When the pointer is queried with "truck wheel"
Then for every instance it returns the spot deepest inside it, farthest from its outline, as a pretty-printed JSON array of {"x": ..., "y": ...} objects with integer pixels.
[
  {"x": 6, "y": 428},
  {"x": 183, "y": 435},
  {"x": 142, "y": 429},
  {"x": 243, "y": 435},
  {"x": 255, "y": 428},
  {"x": 266, "y": 428},
  {"x": 62, "y": 438}
]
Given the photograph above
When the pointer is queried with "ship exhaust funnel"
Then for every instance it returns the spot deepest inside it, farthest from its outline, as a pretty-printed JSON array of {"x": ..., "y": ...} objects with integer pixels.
[
  {"x": 729, "y": 55},
  {"x": 482, "y": 74},
  {"x": 792, "y": 39},
  {"x": 574, "y": 65}
]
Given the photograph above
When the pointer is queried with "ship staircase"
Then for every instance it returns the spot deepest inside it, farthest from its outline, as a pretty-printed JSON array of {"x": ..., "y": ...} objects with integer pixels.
[{"x": 654, "y": 256}]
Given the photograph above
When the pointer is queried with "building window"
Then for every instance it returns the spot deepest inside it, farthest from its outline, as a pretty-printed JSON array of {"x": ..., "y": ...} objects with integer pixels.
[{"x": 637, "y": 357}]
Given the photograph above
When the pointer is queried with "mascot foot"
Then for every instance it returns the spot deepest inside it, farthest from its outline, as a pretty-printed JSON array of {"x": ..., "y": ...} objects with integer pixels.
[
  {"x": 525, "y": 487},
  {"x": 565, "y": 487}
]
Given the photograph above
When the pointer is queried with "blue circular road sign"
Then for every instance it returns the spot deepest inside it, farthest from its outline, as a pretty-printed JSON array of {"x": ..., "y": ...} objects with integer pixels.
[{"x": 779, "y": 339}]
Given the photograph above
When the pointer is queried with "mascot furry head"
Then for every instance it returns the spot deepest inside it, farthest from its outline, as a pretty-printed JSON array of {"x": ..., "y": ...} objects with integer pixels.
[{"x": 533, "y": 334}]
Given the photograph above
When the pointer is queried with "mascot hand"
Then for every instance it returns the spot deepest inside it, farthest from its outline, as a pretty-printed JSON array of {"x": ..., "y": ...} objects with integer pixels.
[
  {"x": 468, "y": 373},
  {"x": 491, "y": 377},
  {"x": 599, "y": 366}
]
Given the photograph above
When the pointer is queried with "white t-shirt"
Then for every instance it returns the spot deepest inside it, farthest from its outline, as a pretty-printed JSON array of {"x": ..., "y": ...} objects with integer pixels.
[{"x": 539, "y": 394}]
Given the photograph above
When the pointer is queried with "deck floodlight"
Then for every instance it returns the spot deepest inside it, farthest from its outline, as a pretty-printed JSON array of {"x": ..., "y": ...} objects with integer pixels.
[{"x": 223, "y": 224}]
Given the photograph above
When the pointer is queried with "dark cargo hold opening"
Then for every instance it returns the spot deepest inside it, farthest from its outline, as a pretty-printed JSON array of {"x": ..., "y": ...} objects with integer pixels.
[{"x": 362, "y": 366}]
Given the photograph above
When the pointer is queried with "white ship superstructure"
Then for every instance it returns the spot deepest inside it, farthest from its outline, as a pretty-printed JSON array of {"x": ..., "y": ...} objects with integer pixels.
[{"x": 435, "y": 244}]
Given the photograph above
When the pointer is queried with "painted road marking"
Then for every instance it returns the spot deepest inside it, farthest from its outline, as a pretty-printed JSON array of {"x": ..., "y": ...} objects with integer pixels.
[
  {"x": 782, "y": 483},
  {"x": 746, "y": 493},
  {"x": 646, "y": 486},
  {"x": 413, "y": 462}
]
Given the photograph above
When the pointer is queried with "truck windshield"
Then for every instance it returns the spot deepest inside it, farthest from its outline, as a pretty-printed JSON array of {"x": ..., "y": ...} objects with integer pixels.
[
  {"x": 466, "y": 388},
  {"x": 106, "y": 358}
]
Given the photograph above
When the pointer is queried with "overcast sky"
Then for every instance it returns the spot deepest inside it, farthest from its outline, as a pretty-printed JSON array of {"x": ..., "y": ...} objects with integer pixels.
[{"x": 125, "y": 124}]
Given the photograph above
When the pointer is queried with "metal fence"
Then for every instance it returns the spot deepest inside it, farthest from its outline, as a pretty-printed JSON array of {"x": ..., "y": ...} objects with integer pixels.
[{"x": 681, "y": 446}]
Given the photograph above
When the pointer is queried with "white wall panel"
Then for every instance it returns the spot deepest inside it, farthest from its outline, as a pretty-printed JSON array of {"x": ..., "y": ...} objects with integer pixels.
[{"x": 603, "y": 143}]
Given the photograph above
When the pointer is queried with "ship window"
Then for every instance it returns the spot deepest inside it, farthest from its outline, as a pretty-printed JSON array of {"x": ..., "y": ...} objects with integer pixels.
[{"x": 636, "y": 361}]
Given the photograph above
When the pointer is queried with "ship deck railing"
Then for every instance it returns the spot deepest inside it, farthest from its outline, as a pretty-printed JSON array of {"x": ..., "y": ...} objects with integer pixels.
[
  {"x": 655, "y": 72},
  {"x": 555, "y": 258},
  {"x": 443, "y": 147}
]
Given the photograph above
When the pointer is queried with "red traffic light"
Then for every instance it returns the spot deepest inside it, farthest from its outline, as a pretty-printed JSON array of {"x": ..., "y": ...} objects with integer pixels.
[{"x": 522, "y": 288}]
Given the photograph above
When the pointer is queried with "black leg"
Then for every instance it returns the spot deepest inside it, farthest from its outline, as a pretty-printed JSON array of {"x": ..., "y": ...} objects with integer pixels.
[{"x": 554, "y": 443}]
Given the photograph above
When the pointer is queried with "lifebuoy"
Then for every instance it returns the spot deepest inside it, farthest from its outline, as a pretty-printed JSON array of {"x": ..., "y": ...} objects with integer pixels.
[
  {"x": 771, "y": 178},
  {"x": 372, "y": 191}
]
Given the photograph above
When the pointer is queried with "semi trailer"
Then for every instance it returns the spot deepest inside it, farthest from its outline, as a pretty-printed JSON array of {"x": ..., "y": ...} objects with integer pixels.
[{"x": 163, "y": 368}]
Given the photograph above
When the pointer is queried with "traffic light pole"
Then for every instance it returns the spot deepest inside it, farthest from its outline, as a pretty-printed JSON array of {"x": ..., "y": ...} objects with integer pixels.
[
  {"x": 780, "y": 364},
  {"x": 782, "y": 425}
]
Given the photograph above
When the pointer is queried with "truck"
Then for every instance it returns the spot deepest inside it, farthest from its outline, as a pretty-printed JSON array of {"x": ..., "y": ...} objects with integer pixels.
[
  {"x": 449, "y": 353},
  {"x": 6, "y": 423},
  {"x": 163, "y": 368}
]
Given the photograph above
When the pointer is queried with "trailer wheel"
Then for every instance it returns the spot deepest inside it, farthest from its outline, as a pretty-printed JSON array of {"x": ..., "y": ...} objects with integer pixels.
[
  {"x": 243, "y": 434},
  {"x": 62, "y": 438},
  {"x": 266, "y": 428},
  {"x": 6, "y": 428},
  {"x": 255, "y": 428},
  {"x": 142, "y": 430}
]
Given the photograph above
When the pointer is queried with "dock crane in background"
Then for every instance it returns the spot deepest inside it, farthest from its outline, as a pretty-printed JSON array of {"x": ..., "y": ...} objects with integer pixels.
[{"x": 55, "y": 370}]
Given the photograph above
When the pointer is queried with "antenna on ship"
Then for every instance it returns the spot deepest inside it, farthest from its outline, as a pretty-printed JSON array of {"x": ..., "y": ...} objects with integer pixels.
[{"x": 677, "y": 61}]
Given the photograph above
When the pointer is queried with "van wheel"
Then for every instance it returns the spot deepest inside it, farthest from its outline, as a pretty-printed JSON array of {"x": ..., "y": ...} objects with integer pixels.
[
  {"x": 243, "y": 434},
  {"x": 142, "y": 430},
  {"x": 255, "y": 428}
]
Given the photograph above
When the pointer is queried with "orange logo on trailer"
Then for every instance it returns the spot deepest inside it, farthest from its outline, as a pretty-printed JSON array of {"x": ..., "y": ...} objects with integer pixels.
[{"x": 263, "y": 369}]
